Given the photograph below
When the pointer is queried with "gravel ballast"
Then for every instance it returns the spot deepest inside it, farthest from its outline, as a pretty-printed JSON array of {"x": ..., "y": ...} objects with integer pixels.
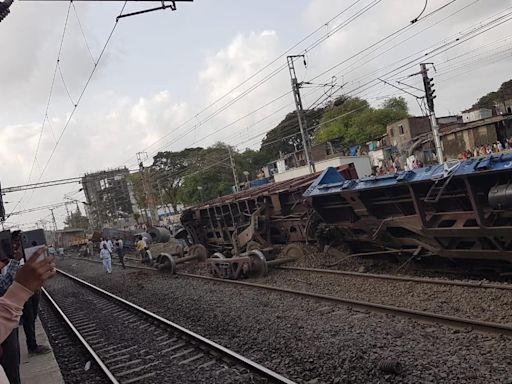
[
  {"x": 477, "y": 303},
  {"x": 309, "y": 340}
]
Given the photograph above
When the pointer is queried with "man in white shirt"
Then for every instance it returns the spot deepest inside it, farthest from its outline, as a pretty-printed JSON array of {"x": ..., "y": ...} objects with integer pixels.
[{"x": 105, "y": 256}]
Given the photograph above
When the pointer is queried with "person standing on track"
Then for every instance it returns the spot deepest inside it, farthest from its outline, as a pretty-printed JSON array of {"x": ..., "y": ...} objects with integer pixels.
[
  {"x": 106, "y": 257},
  {"x": 120, "y": 251},
  {"x": 141, "y": 247},
  {"x": 110, "y": 246}
]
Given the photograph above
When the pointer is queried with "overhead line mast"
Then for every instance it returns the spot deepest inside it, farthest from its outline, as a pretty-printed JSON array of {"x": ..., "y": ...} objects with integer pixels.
[{"x": 299, "y": 108}]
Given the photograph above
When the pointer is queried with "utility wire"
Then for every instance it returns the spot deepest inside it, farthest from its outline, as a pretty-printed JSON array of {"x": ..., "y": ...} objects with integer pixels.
[
  {"x": 216, "y": 101},
  {"x": 269, "y": 76},
  {"x": 45, "y": 115},
  {"x": 83, "y": 34},
  {"x": 426, "y": 16},
  {"x": 82, "y": 93}
]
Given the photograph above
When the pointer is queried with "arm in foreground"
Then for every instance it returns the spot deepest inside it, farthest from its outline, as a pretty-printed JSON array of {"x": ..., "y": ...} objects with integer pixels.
[{"x": 29, "y": 278}]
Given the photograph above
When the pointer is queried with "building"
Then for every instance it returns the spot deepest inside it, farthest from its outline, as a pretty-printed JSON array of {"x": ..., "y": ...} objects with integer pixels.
[
  {"x": 361, "y": 163},
  {"x": 504, "y": 107},
  {"x": 460, "y": 137},
  {"x": 401, "y": 133},
  {"x": 328, "y": 154},
  {"x": 109, "y": 197},
  {"x": 476, "y": 114}
]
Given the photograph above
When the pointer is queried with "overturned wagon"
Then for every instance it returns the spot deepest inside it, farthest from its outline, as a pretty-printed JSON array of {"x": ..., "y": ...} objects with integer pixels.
[
  {"x": 460, "y": 210},
  {"x": 254, "y": 223}
]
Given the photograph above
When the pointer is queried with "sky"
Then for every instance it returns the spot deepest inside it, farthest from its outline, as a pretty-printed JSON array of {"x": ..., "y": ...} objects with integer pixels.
[{"x": 216, "y": 70}]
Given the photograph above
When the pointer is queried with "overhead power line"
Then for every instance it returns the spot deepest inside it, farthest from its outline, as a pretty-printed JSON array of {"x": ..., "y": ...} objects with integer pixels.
[
  {"x": 50, "y": 94},
  {"x": 269, "y": 76},
  {"x": 72, "y": 113}
]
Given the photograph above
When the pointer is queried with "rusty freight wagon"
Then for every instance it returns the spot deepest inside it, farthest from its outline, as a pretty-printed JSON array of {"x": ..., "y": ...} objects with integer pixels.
[
  {"x": 262, "y": 218},
  {"x": 459, "y": 210}
]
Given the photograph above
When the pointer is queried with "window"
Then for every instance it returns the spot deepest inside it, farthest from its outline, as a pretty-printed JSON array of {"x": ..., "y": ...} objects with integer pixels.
[
  {"x": 391, "y": 132},
  {"x": 401, "y": 129}
]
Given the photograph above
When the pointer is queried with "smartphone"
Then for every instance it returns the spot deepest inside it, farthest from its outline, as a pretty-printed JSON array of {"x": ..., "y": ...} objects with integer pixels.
[
  {"x": 31, "y": 241},
  {"x": 5, "y": 246}
]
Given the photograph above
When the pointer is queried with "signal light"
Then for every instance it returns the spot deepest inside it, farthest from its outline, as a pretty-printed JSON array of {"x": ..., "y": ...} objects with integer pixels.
[{"x": 429, "y": 91}]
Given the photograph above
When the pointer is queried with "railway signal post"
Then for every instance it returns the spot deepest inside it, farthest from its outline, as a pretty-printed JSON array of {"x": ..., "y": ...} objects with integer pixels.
[{"x": 429, "y": 94}]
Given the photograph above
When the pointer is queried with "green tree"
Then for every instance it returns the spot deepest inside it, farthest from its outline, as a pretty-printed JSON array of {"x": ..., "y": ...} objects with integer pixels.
[
  {"x": 76, "y": 220},
  {"x": 397, "y": 104},
  {"x": 285, "y": 137},
  {"x": 213, "y": 175},
  {"x": 503, "y": 93},
  {"x": 138, "y": 190},
  {"x": 168, "y": 171},
  {"x": 251, "y": 161},
  {"x": 353, "y": 120},
  {"x": 372, "y": 123},
  {"x": 337, "y": 121}
]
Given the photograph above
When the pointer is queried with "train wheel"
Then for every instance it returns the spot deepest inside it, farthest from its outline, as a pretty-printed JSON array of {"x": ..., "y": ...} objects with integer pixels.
[
  {"x": 165, "y": 262},
  {"x": 199, "y": 251},
  {"x": 258, "y": 263}
]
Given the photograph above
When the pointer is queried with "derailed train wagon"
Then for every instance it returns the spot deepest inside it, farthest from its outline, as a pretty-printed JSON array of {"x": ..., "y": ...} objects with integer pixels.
[
  {"x": 459, "y": 210},
  {"x": 259, "y": 219}
]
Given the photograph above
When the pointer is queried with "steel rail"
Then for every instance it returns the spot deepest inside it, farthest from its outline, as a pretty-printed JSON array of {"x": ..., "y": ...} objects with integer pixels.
[
  {"x": 507, "y": 287},
  {"x": 430, "y": 317},
  {"x": 114, "y": 263},
  {"x": 87, "y": 346},
  {"x": 400, "y": 278},
  {"x": 251, "y": 365}
]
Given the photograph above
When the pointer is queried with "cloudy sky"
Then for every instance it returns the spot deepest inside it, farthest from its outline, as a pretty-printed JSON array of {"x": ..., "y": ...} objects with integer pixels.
[{"x": 216, "y": 70}]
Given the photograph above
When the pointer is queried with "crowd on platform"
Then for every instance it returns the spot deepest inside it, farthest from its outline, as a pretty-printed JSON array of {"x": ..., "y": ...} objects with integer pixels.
[{"x": 486, "y": 149}]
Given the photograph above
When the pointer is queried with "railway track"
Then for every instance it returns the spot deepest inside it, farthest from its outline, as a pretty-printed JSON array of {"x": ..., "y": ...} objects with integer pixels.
[
  {"x": 424, "y": 316},
  {"x": 133, "y": 345},
  {"x": 365, "y": 275},
  {"x": 433, "y": 281},
  {"x": 430, "y": 317}
]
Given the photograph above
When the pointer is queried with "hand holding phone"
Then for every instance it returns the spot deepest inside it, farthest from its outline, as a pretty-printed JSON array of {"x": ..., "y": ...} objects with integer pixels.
[
  {"x": 33, "y": 241},
  {"x": 36, "y": 271}
]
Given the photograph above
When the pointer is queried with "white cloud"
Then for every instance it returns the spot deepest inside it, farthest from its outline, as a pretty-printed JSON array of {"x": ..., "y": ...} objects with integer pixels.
[{"x": 235, "y": 63}]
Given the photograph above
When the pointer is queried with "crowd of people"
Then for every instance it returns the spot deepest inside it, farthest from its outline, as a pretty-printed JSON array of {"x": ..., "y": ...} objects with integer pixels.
[
  {"x": 388, "y": 166},
  {"x": 108, "y": 247},
  {"x": 20, "y": 283},
  {"x": 486, "y": 149},
  {"x": 395, "y": 164}
]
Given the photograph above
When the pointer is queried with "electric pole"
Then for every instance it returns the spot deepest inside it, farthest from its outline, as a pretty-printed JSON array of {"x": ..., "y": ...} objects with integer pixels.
[
  {"x": 2, "y": 209},
  {"x": 68, "y": 216},
  {"x": 233, "y": 168},
  {"x": 429, "y": 94},
  {"x": 53, "y": 219},
  {"x": 54, "y": 227},
  {"x": 141, "y": 156},
  {"x": 300, "y": 110}
]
